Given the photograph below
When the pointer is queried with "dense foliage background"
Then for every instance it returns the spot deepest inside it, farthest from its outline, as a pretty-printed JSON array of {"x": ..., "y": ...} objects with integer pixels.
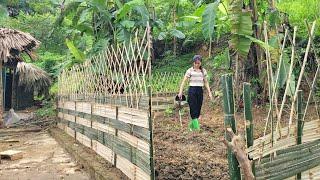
[{"x": 73, "y": 30}]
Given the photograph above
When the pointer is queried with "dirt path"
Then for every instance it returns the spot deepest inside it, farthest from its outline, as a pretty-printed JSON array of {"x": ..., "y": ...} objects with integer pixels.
[
  {"x": 42, "y": 159},
  {"x": 180, "y": 154}
]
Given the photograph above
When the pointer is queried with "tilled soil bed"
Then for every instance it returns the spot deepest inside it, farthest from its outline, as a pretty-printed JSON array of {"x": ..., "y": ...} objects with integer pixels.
[{"x": 180, "y": 154}]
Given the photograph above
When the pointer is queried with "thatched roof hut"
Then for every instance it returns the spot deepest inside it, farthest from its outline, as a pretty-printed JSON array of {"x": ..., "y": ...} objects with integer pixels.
[
  {"x": 33, "y": 77},
  {"x": 13, "y": 43}
]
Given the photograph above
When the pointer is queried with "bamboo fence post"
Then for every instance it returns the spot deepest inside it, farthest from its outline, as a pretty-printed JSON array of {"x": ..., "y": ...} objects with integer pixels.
[
  {"x": 248, "y": 113},
  {"x": 151, "y": 135},
  {"x": 116, "y": 134},
  {"x": 299, "y": 123},
  {"x": 1, "y": 96},
  {"x": 248, "y": 117},
  {"x": 229, "y": 122}
]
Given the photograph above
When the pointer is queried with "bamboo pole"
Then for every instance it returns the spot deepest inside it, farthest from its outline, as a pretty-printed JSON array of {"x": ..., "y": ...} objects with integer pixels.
[
  {"x": 248, "y": 117},
  {"x": 301, "y": 73},
  {"x": 314, "y": 80},
  {"x": 248, "y": 113},
  {"x": 278, "y": 126},
  {"x": 274, "y": 96},
  {"x": 299, "y": 123},
  {"x": 270, "y": 81},
  {"x": 229, "y": 122},
  {"x": 1, "y": 95},
  {"x": 151, "y": 135}
]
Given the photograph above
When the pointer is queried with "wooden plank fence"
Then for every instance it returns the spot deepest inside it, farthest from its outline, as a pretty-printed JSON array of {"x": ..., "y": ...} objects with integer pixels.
[{"x": 119, "y": 134}]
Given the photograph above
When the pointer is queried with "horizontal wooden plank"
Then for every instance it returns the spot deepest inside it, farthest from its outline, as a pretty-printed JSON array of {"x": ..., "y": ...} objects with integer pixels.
[
  {"x": 104, "y": 110},
  {"x": 82, "y": 121},
  {"x": 69, "y": 117},
  {"x": 103, "y": 127},
  {"x": 70, "y": 131},
  {"x": 135, "y": 142},
  {"x": 83, "y": 107},
  {"x": 118, "y": 145},
  {"x": 71, "y": 105},
  {"x": 135, "y": 119},
  {"x": 161, "y": 107},
  {"x": 103, "y": 151},
  {"x": 140, "y": 132},
  {"x": 83, "y": 139},
  {"x": 129, "y": 169}
]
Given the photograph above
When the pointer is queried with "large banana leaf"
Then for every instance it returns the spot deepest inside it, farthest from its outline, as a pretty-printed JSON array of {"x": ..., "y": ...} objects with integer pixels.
[
  {"x": 177, "y": 33},
  {"x": 241, "y": 26},
  {"x": 208, "y": 19},
  {"x": 75, "y": 51},
  {"x": 127, "y": 7}
]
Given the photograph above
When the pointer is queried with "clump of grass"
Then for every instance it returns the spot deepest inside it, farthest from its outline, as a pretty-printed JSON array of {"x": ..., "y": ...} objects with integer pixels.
[{"x": 47, "y": 110}]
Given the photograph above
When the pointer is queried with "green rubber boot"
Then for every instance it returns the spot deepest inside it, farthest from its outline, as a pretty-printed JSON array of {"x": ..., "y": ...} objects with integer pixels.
[{"x": 196, "y": 124}]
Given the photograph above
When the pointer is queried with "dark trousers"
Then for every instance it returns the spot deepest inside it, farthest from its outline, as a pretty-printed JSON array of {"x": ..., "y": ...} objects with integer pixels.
[{"x": 195, "y": 98}]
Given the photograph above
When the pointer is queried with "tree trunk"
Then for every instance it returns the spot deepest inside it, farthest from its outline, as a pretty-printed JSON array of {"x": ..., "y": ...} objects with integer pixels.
[
  {"x": 174, "y": 26},
  {"x": 254, "y": 50},
  {"x": 237, "y": 145}
]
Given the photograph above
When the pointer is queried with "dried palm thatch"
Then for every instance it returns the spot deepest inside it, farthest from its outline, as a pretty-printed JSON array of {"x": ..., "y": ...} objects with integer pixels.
[
  {"x": 32, "y": 77},
  {"x": 14, "y": 42}
]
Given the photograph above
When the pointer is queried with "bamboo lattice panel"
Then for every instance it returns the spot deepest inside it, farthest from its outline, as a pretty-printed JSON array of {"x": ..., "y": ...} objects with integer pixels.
[
  {"x": 118, "y": 76},
  {"x": 104, "y": 104}
]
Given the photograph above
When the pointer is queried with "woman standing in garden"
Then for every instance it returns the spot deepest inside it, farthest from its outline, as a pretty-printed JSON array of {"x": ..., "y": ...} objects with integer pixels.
[{"x": 198, "y": 78}]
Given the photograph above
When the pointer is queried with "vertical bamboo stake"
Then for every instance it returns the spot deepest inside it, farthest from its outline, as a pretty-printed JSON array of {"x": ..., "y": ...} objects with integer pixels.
[
  {"x": 270, "y": 79},
  {"x": 301, "y": 74},
  {"x": 299, "y": 123},
  {"x": 1, "y": 96},
  {"x": 150, "y": 103},
  {"x": 288, "y": 84},
  {"x": 229, "y": 122},
  {"x": 116, "y": 134},
  {"x": 248, "y": 116},
  {"x": 151, "y": 136},
  {"x": 248, "y": 113}
]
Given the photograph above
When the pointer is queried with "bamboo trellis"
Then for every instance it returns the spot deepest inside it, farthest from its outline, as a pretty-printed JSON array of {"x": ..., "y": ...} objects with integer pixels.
[
  {"x": 271, "y": 147},
  {"x": 104, "y": 104},
  {"x": 120, "y": 73}
]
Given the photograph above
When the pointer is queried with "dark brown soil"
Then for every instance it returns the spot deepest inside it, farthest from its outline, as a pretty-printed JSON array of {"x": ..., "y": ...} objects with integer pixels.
[{"x": 180, "y": 154}]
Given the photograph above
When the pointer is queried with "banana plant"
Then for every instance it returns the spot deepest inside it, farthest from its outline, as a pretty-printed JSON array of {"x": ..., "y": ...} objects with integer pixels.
[
  {"x": 208, "y": 22},
  {"x": 241, "y": 28}
]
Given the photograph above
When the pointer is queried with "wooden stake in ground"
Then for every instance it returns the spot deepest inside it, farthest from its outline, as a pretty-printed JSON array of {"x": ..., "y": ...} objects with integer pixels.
[{"x": 238, "y": 146}]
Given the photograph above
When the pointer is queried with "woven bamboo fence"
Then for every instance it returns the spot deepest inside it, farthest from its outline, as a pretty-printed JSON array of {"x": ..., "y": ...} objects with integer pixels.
[
  {"x": 165, "y": 86},
  {"x": 292, "y": 151},
  {"x": 104, "y": 104}
]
